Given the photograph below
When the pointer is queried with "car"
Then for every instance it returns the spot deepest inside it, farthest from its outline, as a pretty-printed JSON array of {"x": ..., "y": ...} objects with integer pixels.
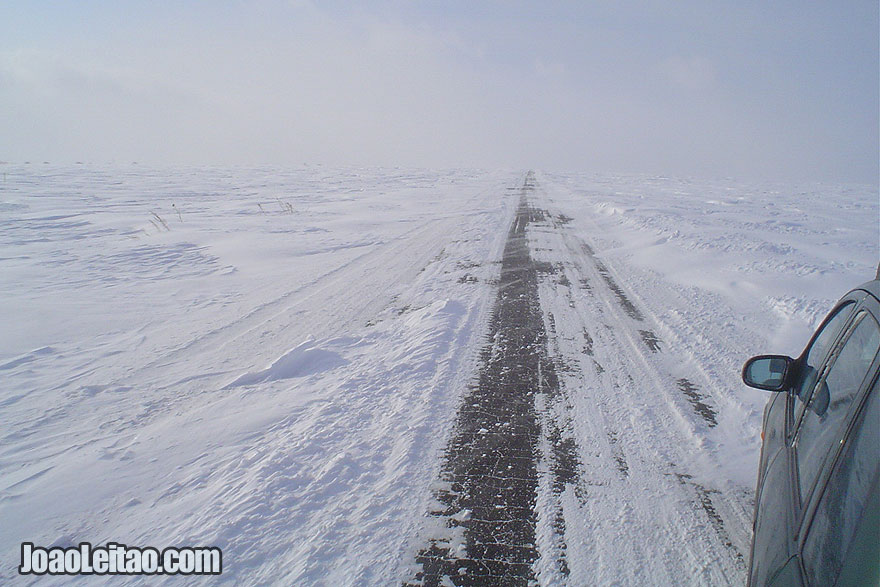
[{"x": 817, "y": 503}]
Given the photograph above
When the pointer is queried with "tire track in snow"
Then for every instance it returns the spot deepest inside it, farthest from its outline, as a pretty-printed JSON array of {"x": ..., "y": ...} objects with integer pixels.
[
  {"x": 645, "y": 504},
  {"x": 489, "y": 487}
]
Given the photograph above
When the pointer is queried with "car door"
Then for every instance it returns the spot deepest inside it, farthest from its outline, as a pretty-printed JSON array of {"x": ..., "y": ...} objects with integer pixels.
[
  {"x": 775, "y": 514},
  {"x": 839, "y": 536},
  {"x": 835, "y": 448}
]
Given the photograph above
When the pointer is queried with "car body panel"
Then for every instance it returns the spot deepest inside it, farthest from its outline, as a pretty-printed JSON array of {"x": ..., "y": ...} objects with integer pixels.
[
  {"x": 773, "y": 544},
  {"x": 862, "y": 563},
  {"x": 774, "y": 433},
  {"x": 790, "y": 574}
]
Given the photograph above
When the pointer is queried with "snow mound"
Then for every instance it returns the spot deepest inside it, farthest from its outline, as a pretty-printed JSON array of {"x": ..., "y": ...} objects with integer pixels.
[{"x": 301, "y": 361}]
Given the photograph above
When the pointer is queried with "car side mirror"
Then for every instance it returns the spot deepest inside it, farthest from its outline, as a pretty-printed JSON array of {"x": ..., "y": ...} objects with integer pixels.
[{"x": 770, "y": 372}]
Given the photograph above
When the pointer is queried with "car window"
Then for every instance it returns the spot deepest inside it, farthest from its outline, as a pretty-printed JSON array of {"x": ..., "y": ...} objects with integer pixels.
[
  {"x": 817, "y": 352},
  {"x": 831, "y": 401},
  {"x": 845, "y": 498}
]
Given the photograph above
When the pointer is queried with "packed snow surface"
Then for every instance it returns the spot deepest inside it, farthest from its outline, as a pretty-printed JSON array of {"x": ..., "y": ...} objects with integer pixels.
[{"x": 270, "y": 360}]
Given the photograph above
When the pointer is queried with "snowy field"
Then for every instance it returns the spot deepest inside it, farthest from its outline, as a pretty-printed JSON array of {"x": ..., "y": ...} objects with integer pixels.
[
  {"x": 270, "y": 360},
  {"x": 727, "y": 270}
]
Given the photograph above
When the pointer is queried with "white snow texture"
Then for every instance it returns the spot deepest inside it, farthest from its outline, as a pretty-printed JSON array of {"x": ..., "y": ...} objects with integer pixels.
[{"x": 270, "y": 360}]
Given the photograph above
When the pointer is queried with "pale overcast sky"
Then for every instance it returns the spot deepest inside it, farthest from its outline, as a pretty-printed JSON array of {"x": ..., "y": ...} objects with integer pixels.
[{"x": 747, "y": 89}]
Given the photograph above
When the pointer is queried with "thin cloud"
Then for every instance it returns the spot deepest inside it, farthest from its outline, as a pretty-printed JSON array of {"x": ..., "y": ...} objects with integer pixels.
[{"x": 640, "y": 87}]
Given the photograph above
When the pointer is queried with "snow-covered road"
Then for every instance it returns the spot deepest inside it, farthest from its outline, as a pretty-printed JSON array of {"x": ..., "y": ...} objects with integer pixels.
[
  {"x": 575, "y": 454},
  {"x": 276, "y": 362}
]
